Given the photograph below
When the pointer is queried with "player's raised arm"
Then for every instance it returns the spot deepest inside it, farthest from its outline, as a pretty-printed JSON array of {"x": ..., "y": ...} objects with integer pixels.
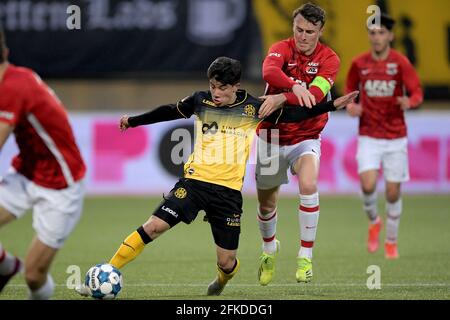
[
  {"x": 274, "y": 75},
  {"x": 295, "y": 114},
  {"x": 272, "y": 71},
  {"x": 183, "y": 109}
]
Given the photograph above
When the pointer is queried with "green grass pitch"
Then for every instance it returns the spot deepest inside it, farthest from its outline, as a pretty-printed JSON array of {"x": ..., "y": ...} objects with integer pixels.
[{"x": 181, "y": 263}]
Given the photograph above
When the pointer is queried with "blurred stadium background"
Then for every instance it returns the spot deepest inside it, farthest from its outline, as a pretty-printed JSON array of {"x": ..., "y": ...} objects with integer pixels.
[{"x": 132, "y": 55}]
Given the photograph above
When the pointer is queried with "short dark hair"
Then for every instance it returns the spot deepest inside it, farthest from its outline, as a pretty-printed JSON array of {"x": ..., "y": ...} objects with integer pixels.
[
  {"x": 225, "y": 70},
  {"x": 311, "y": 12},
  {"x": 387, "y": 21},
  {"x": 2, "y": 46}
]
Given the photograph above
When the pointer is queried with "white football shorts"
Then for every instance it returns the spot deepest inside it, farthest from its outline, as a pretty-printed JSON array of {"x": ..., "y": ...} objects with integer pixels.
[
  {"x": 55, "y": 212},
  {"x": 390, "y": 154},
  {"x": 273, "y": 161}
]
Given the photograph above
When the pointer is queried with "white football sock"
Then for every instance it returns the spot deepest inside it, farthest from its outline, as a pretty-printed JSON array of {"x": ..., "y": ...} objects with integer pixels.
[
  {"x": 393, "y": 212},
  {"x": 308, "y": 216},
  {"x": 370, "y": 205},
  {"x": 44, "y": 292},
  {"x": 268, "y": 227},
  {"x": 7, "y": 262}
]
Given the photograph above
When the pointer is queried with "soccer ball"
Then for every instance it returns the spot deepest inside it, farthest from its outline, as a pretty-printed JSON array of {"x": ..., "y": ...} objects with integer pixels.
[{"x": 104, "y": 281}]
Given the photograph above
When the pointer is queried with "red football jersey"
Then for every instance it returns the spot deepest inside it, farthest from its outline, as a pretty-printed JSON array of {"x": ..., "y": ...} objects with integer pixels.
[
  {"x": 282, "y": 68},
  {"x": 48, "y": 154},
  {"x": 380, "y": 83}
]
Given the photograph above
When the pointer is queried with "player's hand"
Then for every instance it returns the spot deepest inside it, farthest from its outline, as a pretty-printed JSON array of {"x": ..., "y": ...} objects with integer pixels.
[
  {"x": 354, "y": 109},
  {"x": 123, "y": 124},
  {"x": 404, "y": 103},
  {"x": 305, "y": 98},
  {"x": 348, "y": 99},
  {"x": 271, "y": 103}
]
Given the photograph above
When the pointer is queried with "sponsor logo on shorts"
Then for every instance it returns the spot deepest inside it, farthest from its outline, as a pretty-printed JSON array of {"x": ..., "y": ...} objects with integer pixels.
[
  {"x": 172, "y": 212},
  {"x": 180, "y": 193},
  {"x": 235, "y": 221}
]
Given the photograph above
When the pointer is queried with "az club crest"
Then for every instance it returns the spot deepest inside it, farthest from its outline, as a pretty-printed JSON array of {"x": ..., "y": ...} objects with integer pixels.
[{"x": 391, "y": 69}]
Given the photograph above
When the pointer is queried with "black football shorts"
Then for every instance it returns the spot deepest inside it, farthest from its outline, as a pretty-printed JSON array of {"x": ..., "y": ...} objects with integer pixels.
[{"x": 222, "y": 205}]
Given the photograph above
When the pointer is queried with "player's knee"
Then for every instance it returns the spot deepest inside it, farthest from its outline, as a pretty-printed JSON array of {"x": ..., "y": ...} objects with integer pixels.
[
  {"x": 392, "y": 192},
  {"x": 35, "y": 277},
  {"x": 368, "y": 188},
  {"x": 155, "y": 226},
  {"x": 267, "y": 200},
  {"x": 153, "y": 230},
  {"x": 308, "y": 187},
  {"x": 5, "y": 216},
  {"x": 392, "y": 195}
]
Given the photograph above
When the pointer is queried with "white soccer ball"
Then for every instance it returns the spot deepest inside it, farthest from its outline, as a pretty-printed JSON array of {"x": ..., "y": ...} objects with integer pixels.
[{"x": 104, "y": 281}]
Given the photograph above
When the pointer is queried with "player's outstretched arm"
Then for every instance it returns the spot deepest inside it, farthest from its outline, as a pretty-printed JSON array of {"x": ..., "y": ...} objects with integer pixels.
[
  {"x": 295, "y": 114},
  {"x": 163, "y": 113}
]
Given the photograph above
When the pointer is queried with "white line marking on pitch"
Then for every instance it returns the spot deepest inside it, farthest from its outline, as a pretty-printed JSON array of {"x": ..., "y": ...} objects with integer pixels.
[{"x": 363, "y": 285}]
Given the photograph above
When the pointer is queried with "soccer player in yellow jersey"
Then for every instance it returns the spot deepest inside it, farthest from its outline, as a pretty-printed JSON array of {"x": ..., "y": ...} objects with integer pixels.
[{"x": 226, "y": 120}]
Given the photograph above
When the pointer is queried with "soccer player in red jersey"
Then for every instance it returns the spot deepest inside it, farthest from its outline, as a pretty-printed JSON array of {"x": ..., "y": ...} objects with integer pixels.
[
  {"x": 46, "y": 176},
  {"x": 304, "y": 70},
  {"x": 383, "y": 74}
]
